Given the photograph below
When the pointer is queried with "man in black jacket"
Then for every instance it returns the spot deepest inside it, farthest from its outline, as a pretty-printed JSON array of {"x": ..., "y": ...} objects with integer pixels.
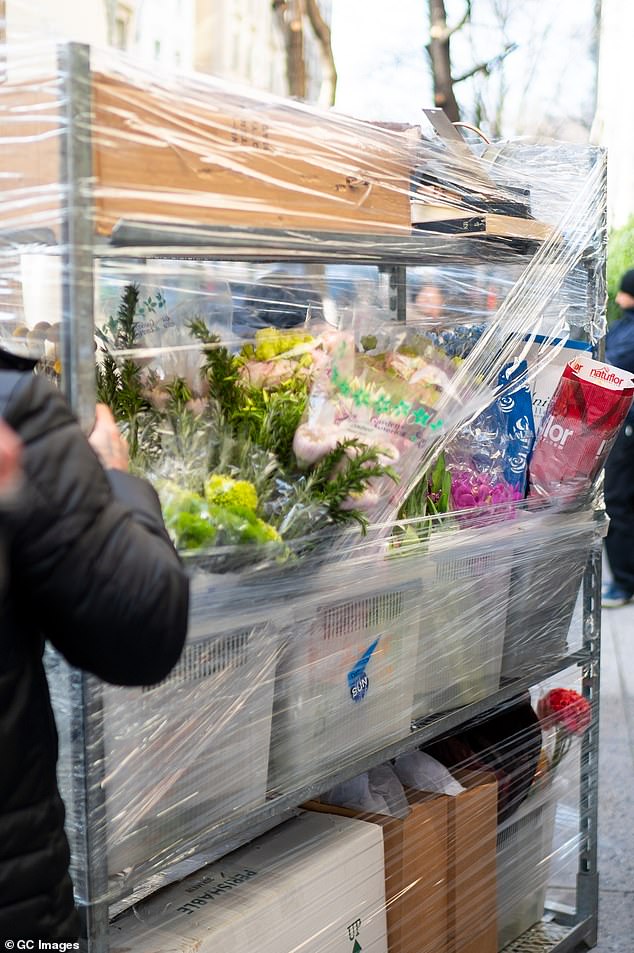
[{"x": 89, "y": 567}]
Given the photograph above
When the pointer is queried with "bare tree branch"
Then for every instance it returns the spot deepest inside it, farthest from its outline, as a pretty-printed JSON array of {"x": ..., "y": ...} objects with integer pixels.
[
  {"x": 324, "y": 38},
  {"x": 440, "y": 29},
  {"x": 466, "y": 18},
  {"x": 440, "y": 57},
  {"x": 290, "y": 17},
  {"x": 488, "y": 66}
]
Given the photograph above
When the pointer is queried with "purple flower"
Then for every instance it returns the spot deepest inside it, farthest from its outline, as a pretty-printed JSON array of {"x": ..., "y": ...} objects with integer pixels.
[{"x": 470, "y": 489}]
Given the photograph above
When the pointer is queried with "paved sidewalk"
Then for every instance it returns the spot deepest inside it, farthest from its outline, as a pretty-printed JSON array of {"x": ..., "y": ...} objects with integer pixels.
[{"x": 616, "y": 786}]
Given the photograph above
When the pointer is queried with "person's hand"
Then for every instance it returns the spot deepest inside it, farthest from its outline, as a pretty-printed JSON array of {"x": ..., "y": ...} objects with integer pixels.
[
  {"x": 107, "y": 442},
  {"x": 10, "y": 457}
]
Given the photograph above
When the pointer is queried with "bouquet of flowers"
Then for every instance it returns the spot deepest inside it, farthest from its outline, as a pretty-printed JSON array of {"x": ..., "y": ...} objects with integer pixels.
[
  {"x": 225, "y": 457},
  {"x": 564, "y": 715},
  {"x": 473, "y": 488},
  {"x": 488, "y": 459}
]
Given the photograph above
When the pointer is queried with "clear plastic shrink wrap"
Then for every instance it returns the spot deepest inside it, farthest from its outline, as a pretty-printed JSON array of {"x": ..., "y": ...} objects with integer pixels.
[{"x": 331, "y": 346}]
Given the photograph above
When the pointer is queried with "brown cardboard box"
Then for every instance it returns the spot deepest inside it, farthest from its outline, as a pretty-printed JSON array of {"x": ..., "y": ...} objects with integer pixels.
[
  {"x": 189, "y": 154},
  {"x": 31, "y": 130},
  {"x": 196, "y": 155},
  {"x": 456, "y": 221},
  {"x": 185, "y": 153},
  {"x": 471, "y": 841},
  {"x": 440, "y": 870}
]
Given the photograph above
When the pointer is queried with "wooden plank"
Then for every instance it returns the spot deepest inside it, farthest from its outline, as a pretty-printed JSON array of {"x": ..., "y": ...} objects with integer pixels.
[
  {"x": 31, "y": 128},
  {"x": 193, "y": 155}
]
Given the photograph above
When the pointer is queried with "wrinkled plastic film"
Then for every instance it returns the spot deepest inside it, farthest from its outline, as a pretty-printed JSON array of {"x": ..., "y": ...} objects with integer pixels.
[
  {"x": 452, "y": 869},
  {"x": 220, "y": 172},
  {"x": 314, "y": 678},
  {"x": 388, "y": 290}
]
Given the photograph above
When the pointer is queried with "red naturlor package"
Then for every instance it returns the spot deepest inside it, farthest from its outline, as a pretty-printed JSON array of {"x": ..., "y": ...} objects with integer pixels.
[{"x": 584, "y": 417}]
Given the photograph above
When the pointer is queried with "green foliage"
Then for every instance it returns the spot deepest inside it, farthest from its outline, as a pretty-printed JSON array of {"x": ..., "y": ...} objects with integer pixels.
[
  {"x": 191, "y": 530},
  {"x": 262, "y": 416},
  {"x": 430, "y": 496},
  {"x": 119, "y": 383},
  {"x": 341, "y": 475},
  {"x": 426, "y": 502},
  {"x": 126, "y": 336},
  {"x": 238, "y": 526},
  {"x": 239, "y": 451},
  {"x": 242, "y": 459},
  {"x": 195, "y": 522},
  {"x": 270, "y": 418},
  {"x": 220, "y": 368},
  {"x": 184, "y": 432},
  {"x": 620, "y": 259}
]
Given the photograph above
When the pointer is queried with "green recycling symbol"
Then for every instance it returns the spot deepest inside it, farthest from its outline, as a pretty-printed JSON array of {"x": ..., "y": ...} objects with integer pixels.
[{"x": 357, "y": 947}]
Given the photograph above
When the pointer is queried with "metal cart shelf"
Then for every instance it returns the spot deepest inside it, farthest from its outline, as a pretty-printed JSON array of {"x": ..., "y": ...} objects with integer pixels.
[{"x": 80, "y": 248}]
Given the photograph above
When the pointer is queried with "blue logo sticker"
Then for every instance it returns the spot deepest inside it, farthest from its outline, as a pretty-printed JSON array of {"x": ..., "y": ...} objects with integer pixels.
[{"x": 358, "y": 681}]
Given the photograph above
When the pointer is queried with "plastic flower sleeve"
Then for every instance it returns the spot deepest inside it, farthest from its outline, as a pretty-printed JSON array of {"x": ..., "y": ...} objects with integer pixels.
[
  {"x": 386, "y": 401},
  {"x": 582, "y": 423}
]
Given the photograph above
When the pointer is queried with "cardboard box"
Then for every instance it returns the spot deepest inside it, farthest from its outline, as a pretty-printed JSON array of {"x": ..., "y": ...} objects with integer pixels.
[
  {"x": 187, "y": 153},
  {"x": 471, "y": 839},
  {"x": 464, "y": 221},
  {"x": 440, "y": 869},
  {"x": 415, "y": 873},
  {"x": 314, "y": 884},
  {"x": 31, "y": 130},
  {"x": 210, "y": 156}
]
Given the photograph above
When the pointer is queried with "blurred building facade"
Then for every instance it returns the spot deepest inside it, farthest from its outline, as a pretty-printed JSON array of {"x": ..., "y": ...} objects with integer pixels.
[
  {"x": 86, "y": 22},
  {"x": 613, "y": 127},
  {"x": 238, "y": 40}
]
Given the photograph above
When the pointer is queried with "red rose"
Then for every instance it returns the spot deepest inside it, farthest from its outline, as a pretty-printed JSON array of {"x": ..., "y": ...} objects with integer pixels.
[{"x": 565, "y": 708}]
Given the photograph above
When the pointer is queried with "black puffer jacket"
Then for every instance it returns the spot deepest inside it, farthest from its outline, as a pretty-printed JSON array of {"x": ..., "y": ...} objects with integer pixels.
[{"x": 90, "y": 567}]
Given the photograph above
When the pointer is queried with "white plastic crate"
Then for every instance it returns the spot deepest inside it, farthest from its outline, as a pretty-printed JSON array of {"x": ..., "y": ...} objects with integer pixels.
[
  {"x": 345, "y": 681},
  {"x": 462, "y": 621},
  {"x": 546, "y": 579},
  {"x": 181, "y": 756},
  {"x": 524, "y": 850}
]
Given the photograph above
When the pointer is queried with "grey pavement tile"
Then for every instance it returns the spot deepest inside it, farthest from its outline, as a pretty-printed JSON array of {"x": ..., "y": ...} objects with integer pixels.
[
  {"x": 616, "y": 785},
  {"x": 615, "y": 751},
  {"x": 617, "y": 686},
  {"x": 617, "y": 635},
  {"x": 616, "y": 867},
  {"x": 613, "y": 738},
  {"x": 616, "y": 922}
]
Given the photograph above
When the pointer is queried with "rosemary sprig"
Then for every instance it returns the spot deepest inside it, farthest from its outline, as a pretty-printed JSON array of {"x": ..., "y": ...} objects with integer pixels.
[
  {"x": 119, "y": 384},
  {"x": 220, "y": 368},
  {"x": 126, "y": 332},
  {"x": 340, "y": 475}
]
